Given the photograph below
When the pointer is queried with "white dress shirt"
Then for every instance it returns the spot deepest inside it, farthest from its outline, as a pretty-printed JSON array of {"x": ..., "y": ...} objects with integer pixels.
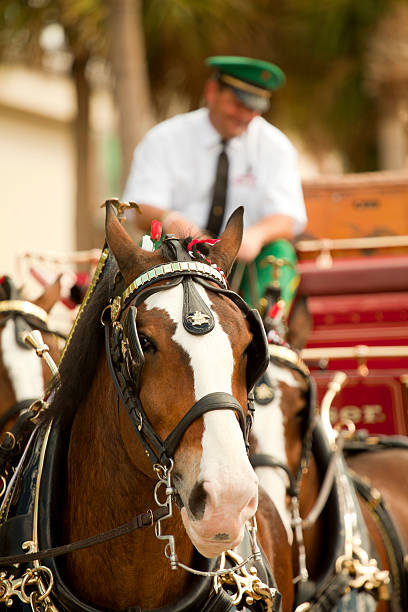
[{"x": 174, "y": 168}]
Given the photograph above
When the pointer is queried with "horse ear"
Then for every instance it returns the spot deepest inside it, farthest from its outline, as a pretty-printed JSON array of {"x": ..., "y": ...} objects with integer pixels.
[
  {"x": 300, "y": 323},
  {"x": 50, "y": 296},
  {"x": 224, "y": 252},
  {"x": 132, "y": 259}
]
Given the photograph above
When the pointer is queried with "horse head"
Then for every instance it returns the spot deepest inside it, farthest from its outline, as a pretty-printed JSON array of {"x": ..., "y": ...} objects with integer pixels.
[{"x": 189, "y": 356}]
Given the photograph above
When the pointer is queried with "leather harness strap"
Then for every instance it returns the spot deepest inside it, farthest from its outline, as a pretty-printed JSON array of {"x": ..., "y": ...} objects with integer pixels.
[
  {"x": 392, "y": 541},
  {"x": 146, "y": 519}
]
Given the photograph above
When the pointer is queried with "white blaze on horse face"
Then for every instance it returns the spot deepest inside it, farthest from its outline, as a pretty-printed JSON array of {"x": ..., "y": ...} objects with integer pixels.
[
  {"x": 269, "y": 430},
  {"x": 230, "y": 483},
  {"x": 23, "y": 366}
]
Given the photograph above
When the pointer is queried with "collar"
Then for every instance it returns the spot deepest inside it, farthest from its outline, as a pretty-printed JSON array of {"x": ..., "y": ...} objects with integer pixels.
[{"x": 210, "y": 139}]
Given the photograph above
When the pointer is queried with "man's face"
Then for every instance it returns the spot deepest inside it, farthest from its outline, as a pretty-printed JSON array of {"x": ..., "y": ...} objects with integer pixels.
[{"x": 228, "y": 114}]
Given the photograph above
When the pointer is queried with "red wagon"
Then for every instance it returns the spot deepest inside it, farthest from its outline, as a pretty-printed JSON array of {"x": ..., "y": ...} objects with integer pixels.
[{"x": 353, "y": 263}]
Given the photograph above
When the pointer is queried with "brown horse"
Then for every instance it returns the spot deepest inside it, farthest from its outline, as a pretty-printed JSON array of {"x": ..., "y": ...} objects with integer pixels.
[
  {"x": 380, "y": 469},
  {"x": 23, "y": 376},
  {"x": 155, "y": 420},
  {"x": 309, "y": 483}
]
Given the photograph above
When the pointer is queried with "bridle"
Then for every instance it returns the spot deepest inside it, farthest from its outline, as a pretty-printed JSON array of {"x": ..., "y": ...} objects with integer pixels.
[
  {"x": 125, "y": 360},
  {"x": 125, "y": 356},
  {"x": 281, "y": 354}
]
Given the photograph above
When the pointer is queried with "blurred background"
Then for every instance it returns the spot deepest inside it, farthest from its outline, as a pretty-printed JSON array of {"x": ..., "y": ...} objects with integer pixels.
[{"x": 82, "y": 80}]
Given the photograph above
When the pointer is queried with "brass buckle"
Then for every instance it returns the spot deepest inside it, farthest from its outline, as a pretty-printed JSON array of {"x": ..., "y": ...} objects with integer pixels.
[{"x": 247, "y": 584}]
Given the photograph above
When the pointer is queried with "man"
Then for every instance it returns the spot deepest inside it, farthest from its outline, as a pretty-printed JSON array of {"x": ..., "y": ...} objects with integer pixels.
[{"x": 191, "y": 171}]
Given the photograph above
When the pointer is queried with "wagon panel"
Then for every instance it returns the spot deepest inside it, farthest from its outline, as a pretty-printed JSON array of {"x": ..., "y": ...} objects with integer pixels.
[{"x": 353, "y": 263}]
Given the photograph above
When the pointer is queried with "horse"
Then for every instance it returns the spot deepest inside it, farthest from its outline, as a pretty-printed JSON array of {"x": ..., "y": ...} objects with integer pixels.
[
  {"x": 149, "y": 420},
  {"x": 333, "y": 536},
  {"x": 23, "y": 376},
  {"x": 379, "y": 467}
]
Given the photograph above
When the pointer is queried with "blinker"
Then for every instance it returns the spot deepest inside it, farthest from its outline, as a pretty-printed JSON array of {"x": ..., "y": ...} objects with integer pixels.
[{"x": 258, "y": 355}]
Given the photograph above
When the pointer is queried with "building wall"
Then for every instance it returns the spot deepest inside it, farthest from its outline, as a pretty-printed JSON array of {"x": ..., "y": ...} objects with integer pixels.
[
  {"x": 37, "y": 186},
  {"x": 38, "y": 167}
]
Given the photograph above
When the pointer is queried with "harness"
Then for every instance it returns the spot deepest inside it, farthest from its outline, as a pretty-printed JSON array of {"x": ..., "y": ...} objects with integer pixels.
[
  {"x": 350, "y": 577},
  {"x": 46, "y": 450},
  {"x": 393, "y": 543}
]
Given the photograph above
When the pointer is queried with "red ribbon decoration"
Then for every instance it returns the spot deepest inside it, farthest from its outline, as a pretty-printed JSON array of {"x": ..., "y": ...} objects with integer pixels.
[
  {"x": 210, "y": 241},
  {"x": 156, "y": 230},
  {"x": 275, "y": 310}
]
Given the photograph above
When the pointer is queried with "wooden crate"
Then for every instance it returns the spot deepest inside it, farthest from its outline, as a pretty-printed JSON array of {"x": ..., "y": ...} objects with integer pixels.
[{"x": 352, "y": 206}]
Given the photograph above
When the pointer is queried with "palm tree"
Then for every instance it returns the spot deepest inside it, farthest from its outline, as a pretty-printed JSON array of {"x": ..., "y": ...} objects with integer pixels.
[
  {"x": 387, "y": 81},
  {"x": 130, "y": 75}
]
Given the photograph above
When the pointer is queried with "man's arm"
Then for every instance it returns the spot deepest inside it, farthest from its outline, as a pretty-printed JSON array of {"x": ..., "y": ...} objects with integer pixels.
[{"x": 267, "y": 230}]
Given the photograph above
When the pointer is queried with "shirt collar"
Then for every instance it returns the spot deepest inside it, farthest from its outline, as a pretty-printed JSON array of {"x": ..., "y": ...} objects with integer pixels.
[{"x": 211, "y": 139}]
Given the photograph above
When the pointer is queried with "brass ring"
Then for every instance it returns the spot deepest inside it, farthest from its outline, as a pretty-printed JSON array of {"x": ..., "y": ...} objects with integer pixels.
[
  {"x": 4, "y": 486},
  {"x": 103, "y": 312},
  {"x": 31, "y": 577},
  {"x": 13, "y": 439}
]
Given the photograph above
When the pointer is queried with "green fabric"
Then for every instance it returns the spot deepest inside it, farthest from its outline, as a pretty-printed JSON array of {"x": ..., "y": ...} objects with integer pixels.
[
  {"x": 288, "y": 276},
  {"x": 260, "y": 73}
]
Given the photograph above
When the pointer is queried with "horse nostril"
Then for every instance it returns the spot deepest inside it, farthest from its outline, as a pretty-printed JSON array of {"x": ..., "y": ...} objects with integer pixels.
[{"x": 197, "y": 500}]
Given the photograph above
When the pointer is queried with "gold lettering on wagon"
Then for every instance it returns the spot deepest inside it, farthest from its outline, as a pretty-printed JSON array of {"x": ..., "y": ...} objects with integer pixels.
[{"x": 367, "y": 414}]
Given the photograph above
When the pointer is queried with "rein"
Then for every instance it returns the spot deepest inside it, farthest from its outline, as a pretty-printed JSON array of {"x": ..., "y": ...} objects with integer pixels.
[{"x": 145, "y": 519}]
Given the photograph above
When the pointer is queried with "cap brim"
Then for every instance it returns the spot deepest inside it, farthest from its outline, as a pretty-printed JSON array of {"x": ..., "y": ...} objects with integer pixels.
[{"x": 254, "y": 102}]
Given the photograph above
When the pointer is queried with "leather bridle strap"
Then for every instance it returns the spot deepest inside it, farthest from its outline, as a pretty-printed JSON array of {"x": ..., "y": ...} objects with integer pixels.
[
  {"x": 163, "y": 450},
  {"x": 213, "y": 401},
  {"x": 145, "y": 519},
  {"x": 265, "y": 460},
  {"x": 282, "y": 355}
]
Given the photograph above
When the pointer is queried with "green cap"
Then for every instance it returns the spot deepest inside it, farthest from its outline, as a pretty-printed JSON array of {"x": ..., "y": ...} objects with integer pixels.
[{"x": 252, "y": 80}]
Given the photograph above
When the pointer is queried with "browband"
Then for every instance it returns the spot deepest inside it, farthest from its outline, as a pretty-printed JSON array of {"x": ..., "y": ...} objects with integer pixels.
[{"x": 168, "y": 270}]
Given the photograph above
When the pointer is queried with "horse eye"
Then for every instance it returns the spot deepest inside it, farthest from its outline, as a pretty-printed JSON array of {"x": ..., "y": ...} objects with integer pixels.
[{"x": 146, "y": 344}]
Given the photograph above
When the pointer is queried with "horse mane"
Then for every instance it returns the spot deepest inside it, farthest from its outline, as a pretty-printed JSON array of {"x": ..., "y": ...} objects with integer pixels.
[{"x": 80, "y": 358}]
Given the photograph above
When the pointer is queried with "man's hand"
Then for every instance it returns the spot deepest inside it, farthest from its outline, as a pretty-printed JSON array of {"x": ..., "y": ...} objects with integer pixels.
[
  {"x": 252, "y": 243},
  {"x": 265, "y": 231},
  {"x": 175, "y": 223}
]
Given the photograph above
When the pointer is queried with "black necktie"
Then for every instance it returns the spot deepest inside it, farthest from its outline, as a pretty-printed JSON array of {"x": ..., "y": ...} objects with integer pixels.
[{"x": 217, "y": 211}]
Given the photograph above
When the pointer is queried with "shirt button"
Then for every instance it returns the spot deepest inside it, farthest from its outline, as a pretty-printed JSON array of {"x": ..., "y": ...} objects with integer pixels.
[{"x": 217, "y": 211}]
